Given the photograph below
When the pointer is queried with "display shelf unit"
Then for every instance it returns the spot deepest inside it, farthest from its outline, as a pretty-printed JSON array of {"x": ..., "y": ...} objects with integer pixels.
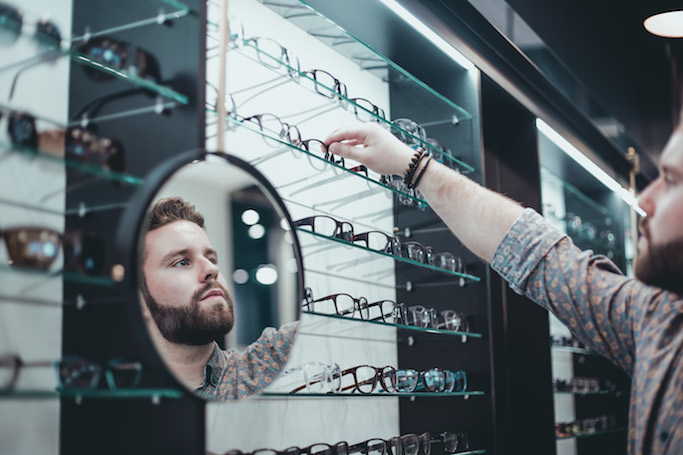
[{"x": 152, "y": 394}]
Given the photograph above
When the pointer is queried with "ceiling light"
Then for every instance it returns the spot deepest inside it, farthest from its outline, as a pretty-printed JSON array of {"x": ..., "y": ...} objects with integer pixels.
[
  {"x": 428, "y": 33},
  {"x": 667, "y": 25},
  {"x": 595, "y": 170}
]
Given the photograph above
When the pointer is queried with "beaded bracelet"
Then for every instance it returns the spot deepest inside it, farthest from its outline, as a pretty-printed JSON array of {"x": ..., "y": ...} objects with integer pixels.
[
  {"x": 422, "y": 171},
  {"x": 420, "y": 153}
]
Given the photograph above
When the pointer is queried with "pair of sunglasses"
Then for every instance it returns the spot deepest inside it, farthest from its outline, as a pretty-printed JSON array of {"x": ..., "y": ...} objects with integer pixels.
[
  {"x": 12, "y": 22},
  {"x": 38, "y": 248},
  {"x": 75, "y": 143},
  {"x": 120, "y": 55}
]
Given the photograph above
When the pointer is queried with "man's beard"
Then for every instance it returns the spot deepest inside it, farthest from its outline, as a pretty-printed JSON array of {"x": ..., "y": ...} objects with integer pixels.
[
  {"x": 192, "y": 325},
  {"x": 661, "y": 265}
]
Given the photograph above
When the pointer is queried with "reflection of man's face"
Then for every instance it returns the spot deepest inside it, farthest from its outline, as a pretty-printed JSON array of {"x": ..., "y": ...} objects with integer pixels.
[
  {"x": 185, "y": 292},
  {"x": 661, "y": 245}
]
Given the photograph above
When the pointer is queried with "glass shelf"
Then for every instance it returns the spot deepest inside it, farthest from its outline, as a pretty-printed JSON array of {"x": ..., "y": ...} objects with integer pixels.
[
  {"x": 464, "y": 395},
  {"x": 287, "y": 147},
  {"x": 599, "y": 209},
  {"x": 72, "y": 277},
  {"x": 400, "y": 326},
  {"x": 71, "y": 163},
  {"x": 574, "y": 350},
  {"x": 601, "y": 392},
  {"x": 589, "y": 435},
  {"x": 148, "y": 12},
  {"x": 394, "y": 257},
  {"x": 249, "y": 50},
  {"x": 81, "y": 210},
  {"x": 153, "y": 394}
]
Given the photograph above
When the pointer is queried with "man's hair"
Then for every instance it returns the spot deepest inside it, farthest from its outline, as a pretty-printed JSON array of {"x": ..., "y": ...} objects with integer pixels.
[{"x": 172, "y": 209}]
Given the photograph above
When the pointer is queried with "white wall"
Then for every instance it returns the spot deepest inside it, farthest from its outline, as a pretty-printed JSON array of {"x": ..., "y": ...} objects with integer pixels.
[
  {"x": 309, "y": 188},
  {"x": 30, "y": 330}
]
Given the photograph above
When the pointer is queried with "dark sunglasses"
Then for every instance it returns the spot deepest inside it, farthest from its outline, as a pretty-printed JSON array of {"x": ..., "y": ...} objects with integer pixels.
[
  {"x": 34, "y": 247},
  {"x": 75, "y": 143},
  {"x": 119, "y": 55},
  {"x": 12, "y": 22}
]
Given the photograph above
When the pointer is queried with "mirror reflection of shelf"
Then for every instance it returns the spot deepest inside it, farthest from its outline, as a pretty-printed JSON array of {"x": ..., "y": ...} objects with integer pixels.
[
  {"x": 329, "y": 172},
  {"x": 297, "y": 77},
  {"x": 153, "y": 394},
  {"x": 70, "y": 163},
  {"x": 305, "y": 245},
  {"x": 72, "y": 277},
  {"x": 463, "y": 335},
  {"x": 589, "y": 435}
]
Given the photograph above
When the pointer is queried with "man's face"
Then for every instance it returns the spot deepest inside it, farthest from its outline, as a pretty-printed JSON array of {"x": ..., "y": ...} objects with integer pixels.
[
  {"x": 186, "y": 294},
  {"x": 661, "y": 242}
]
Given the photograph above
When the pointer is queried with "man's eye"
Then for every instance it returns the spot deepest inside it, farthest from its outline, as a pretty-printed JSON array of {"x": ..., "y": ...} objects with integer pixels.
[{"x": 181, "y": 263}]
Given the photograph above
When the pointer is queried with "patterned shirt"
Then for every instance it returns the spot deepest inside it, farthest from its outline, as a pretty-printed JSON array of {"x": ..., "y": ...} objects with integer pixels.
[
  {"x": 638, "y": 327},
  {"x": 232, "y": 375}
]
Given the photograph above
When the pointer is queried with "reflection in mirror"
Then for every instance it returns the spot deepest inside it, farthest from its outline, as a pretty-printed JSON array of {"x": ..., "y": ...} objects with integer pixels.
[{"x": 218, "y": 284}]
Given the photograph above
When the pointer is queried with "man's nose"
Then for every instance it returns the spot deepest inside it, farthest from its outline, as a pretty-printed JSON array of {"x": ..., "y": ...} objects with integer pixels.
[
  {"x": 209, "y": 270},
  {"x": 646, "y": 198}
]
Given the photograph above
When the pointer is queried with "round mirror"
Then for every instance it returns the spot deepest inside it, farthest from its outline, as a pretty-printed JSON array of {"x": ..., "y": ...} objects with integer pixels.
[{"x": 218, "y": 274}]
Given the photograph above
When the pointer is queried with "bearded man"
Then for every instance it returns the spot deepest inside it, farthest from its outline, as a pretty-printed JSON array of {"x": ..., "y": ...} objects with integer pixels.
[
  {"x": 635, "y": 322},
  {"x": 187, "y": 306}
]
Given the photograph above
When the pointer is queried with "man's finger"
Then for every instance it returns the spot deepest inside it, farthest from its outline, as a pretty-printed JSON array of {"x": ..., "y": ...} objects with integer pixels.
[
  {"x": 357, "y": 134},
  {"x": 346, "y": 150}
]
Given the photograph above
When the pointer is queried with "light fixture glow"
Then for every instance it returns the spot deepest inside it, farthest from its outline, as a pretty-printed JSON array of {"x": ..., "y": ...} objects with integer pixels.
[
  {"x": 428, "y": 33},
  {"x": 256, "y": 232},
  {"x": 240, "y": 276},
  {"x": 574, "y": 153},
  {"x": 266, "y": 274},
  {"x": 668, "y": 24},
  {"x": 250, "y": 217}
]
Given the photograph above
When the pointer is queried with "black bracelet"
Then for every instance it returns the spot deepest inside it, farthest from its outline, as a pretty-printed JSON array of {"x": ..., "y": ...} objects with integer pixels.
[
  {"x": 419, "y": 176},
  {"x": 417, "y": 157}
]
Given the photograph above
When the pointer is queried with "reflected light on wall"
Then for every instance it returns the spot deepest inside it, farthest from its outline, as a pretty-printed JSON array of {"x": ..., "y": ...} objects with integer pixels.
[
  {"x": 250, "y": 217},
  {"x": 428, "y": 33},
  {"x": 588, "y": 165},
  {"x": 256, "y": 231},
  {"x": 668, "y": 24},
  {"x": 266, "y": 274}
]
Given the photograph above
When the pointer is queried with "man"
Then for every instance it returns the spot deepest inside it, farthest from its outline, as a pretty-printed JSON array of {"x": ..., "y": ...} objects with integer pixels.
[
  {"x": 634, "y": 322},
  {"x": 187, "y": 306}
]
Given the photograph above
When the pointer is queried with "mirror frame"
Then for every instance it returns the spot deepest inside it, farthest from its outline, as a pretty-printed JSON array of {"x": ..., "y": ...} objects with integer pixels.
[{"x": 128, "y": 243}]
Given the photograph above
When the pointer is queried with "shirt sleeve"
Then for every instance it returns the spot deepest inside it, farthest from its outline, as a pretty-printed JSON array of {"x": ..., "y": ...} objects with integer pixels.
[
  {"x": 587, "y": 292},
  {"x": 263, "y": 360}
]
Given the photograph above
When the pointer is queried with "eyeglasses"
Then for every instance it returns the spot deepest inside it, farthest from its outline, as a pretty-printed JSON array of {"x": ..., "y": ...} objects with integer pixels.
[
  {"x": 326, "y": 84},
  {"x": 35, "y": 247},
  {"x": 319, "y": 377},
  {"x": 340, "y": 448},
  {"x": 327, "y": 226},
  {"x": 12, "y": 21},
  {"x": 77, "y": 372},
  {"x": 120, "y": 55},
  {"x": 366, "y": 378},
  {"x": 413, "y": 444},
  {"x": 454, "y": 321},
  {"x": 344, "y": 304},
  {"x": 433, "y": 380},
  {"x": 274, "y": 55},
  {"x": 453, "y": 442},
  {"x": 270, "y": 123},
  {"x": 74, "y": 143},
  {"x": 408, "y": 131},
  {"x": 423, "y": 317},
  {"x": 366, "y": 111}
]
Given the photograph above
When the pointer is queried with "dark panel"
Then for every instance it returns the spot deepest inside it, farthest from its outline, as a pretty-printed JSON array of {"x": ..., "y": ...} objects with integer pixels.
[
  {"x": 104, "y": 329},
  {"x": 519, "y": 331}
]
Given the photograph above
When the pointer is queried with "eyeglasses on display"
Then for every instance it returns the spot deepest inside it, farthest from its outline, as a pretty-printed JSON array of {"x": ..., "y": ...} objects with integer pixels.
[
  {"x": 38, "y": 248},
  {"x": 12, "y": 23},
  {"x": 452, "y": 442},
  {"x": 318, "y": 377},
  {"x": 366, "y": 378},
  {"x": 75, "y": 372},
  {"x": 343, "y": 304},
  {"x": 433, "y": 380},
  {"x": 320, "y": 448},
  {"x": 121, "y": 56}
]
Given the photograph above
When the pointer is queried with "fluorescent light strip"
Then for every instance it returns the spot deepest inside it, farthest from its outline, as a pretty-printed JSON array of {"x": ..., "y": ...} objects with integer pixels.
[
  {"x": 588, "y": 165},
  {"x": 428, "y": 33}
]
